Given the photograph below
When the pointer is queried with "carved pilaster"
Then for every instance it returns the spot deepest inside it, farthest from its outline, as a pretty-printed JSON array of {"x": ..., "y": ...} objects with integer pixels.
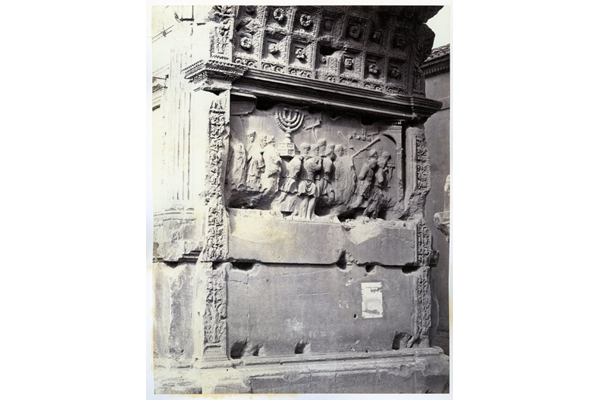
[
  {"x": 422, "y": 311},
  {"x": 423, "y": 243},
  {"x": 395, "y": 133},
  {"x": 211, "y": 300},
  {"x": 421, "y": 50},
  {"x": 417, "y": 172},
  {"x": 216, "y": 238},
  {"x": 222, "y": 32}
]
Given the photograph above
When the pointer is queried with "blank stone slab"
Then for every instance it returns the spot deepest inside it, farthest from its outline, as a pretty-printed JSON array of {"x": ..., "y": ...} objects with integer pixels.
[{"x": 258, "y": 236}]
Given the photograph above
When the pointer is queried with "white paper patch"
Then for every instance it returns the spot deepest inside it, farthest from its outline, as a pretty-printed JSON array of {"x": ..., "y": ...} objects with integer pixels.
[{"x": 372, "y": 299}]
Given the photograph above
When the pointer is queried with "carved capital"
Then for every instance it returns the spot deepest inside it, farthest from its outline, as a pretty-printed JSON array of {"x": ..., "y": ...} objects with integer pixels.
[{"x": 213, "y": 74}]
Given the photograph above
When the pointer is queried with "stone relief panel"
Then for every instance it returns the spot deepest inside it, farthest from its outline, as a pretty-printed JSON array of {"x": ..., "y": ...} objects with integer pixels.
[{"x": 312, "y": 165}]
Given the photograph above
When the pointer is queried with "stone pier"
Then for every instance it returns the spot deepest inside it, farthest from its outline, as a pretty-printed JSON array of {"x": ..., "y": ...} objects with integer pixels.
[{"x": 291, "y": 170}]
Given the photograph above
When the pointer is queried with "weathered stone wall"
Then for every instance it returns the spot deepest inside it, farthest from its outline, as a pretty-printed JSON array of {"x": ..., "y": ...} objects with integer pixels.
[
  {"x": 291, "y": 175},
  {"x": 173, "y": 303},
  {"x": 279, "y": 310},
  {"x": 437, "y": 130}
]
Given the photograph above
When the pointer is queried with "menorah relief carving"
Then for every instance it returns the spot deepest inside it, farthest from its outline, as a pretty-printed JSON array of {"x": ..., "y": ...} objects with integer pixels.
[
  {"x": 289, "y": 121},
  {"x": 315, "y": 174}
]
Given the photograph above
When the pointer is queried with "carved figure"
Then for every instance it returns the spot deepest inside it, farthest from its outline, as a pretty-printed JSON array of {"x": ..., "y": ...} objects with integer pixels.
[
  {"x": 379, "y": 198},
  {"x": 270, "y": 178},
  {"x": 236, "y": 173},
  {"x": 256, "y": 164},
  {"x": 365, "y": 181},
  {"x": 288, "y": 201},
  {"x": 273, "y": 48},
  {"x": 373, "y": 154},
  {"x": 325, "y": 178},
  {"x": 308, "y": 190},
  {"x": 344, "y": 181}
]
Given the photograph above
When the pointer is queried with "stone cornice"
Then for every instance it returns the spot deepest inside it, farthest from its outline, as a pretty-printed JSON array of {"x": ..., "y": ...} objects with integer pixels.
[
  {"x": 438, "y": 62},
  {"x": 437, "y": 66},
  {"x": 300, "y": 90},
  {"x": 213, "y": 74}
]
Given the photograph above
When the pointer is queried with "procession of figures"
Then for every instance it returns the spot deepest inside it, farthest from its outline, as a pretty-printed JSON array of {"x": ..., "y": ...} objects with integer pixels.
[{"x": 320, "y": 180}]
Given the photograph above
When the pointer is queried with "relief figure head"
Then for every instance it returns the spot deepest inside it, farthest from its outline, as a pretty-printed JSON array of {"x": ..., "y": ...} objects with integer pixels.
[
  {"x": 372, "y": 162},
  {"x": 304, "y": 149},
  {"x": 322, "y": 146},
  {"x": 263, "y": 141},
  {"x": 386, "y": 155},
  {"x": 330, "y": 152}
]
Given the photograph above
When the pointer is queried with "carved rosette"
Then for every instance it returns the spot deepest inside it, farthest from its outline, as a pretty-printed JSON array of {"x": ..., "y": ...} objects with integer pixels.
[{"x": 216, "y": 240}]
